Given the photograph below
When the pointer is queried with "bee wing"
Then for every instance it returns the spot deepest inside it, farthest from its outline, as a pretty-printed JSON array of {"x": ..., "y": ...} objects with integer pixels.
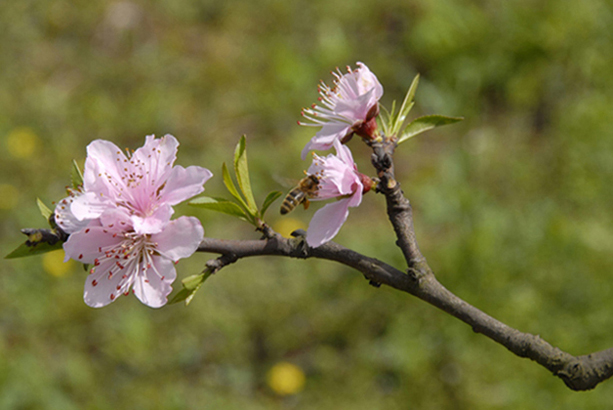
[{"x": 288, "y": 183}]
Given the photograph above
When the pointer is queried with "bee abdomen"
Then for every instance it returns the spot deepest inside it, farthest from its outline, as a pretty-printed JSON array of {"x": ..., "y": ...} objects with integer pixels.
[{"x": 291, "y": 201}]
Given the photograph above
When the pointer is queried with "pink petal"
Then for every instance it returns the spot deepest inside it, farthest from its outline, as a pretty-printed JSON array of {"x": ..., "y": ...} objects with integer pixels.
[
  {"x": 85, "y": 246},
  {"x": 89, "y": 206},
  {"x": 104, "y": 159},
  {"x": 153, "y": 223},
  {"x": 116, "y": 220},
  {"x": 159, "y": 155},
  {"x": 180, "y": 238},
  {"x": 350, "y": 182},
  {"x": 99, "y": 286},
  {"x": 65, "y": 219},
  {"x": 356, "y": 198},
  {"x": 184, "y": 183},
  {"x": 153, "y": 286},
  {"x": 324, "y": 138},
  {"x": 354, "y": 109},
  {"x": 326, "y": 222},
  {"x": 368, "y": 78},
  {"x": 344, "y": 153}
]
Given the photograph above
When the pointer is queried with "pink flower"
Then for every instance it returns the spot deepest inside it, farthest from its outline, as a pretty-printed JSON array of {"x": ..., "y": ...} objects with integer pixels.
[
  {"x": 144, "y": 185},
  {"x": 123, "y": 259},
  {"x": 338, "y": 178},
  {"x": 348, "y": 107},
  {"x": 119, "y": 221}
]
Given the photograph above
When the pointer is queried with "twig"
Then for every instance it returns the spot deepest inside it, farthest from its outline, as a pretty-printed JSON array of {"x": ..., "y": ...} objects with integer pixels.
[{"x": 577, "y": 372}]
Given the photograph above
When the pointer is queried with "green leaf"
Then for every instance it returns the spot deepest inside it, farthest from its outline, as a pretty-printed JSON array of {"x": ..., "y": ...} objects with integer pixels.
[
  {"x": 242, "y": 174},
  {"x": 76, "y": 175},
  {"x": 46, "y": 212},
  {"x": 180, "y": 296},
  {"x": 391, "y": 113},
  {"x": 191, "y": 284},
  {"x": 422, "y": 124},
  {"x": 194, "y": 281},
  {"x": 401, "y": 119},
  {"x": 33, "y": 249},
  {"x": 270, "y": 198},
  {"x": 411, "y": 93},
  {"x": 385, "y": 118},
  {"x": 219, "y": 205},
  {"x": 406, "y": 106},
  {"x": 227, "y": 180}
]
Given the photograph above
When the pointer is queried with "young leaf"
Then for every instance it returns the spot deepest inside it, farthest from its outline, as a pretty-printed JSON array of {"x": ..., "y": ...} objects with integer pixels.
[
  {"x": 191, "y": 284},
  {"x": 219, "y": 205},
  {"x": 227, "y": 180},
  {"x": 412, "y": 89},
  {"x": 406, "y": 106},
  {"x": 422, "y": 124},
  {"x": 76, "y": 175},
  {"x": 242, "y": 174},
  {"x": 392, "y": 112},
  {"x": 46, "y": 212},
  {"x": 385, "y": 119},
  {"x": 270, "y": 198},
  {"x": 182, "y": 295}
]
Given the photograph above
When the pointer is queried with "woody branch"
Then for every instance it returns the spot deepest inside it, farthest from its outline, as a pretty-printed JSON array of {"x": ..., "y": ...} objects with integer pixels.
[{"x": 577, "y": 372}]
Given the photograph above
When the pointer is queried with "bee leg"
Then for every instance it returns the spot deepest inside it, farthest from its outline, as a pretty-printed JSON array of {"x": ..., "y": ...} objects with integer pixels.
[{"x": 306, "y": 204}]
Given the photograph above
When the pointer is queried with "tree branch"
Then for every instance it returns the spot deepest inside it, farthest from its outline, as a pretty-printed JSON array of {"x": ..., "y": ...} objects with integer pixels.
[{"x": 577, "y": 372}]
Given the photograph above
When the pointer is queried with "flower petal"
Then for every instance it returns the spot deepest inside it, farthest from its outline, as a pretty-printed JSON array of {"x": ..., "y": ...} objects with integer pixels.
[
  {"x": 153, "y": 223},
  {"x": 153, "y": 286},
  {"x": 180, "y": 238},
  {"x": 326, "y": 222},
  {"x": 88, "y": 244},
  {"x": 158, "y": 156},
  {"x": 64, "y": 217},
  {"x": 103, "y": 163},
  {"x": 103, "y": 287},
  {"x": 184, "y": 183},
  {"x": 89, "y": 206},
  {"x": 324, "y": 138},
  {"x": 116, "y": 220},
  {"x": 369, "y": 81},
  {"x": 344, "y": 153}
]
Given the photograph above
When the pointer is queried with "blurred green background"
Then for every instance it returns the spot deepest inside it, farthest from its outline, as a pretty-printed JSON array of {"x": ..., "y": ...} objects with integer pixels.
[{"x": 512, "y": 206}]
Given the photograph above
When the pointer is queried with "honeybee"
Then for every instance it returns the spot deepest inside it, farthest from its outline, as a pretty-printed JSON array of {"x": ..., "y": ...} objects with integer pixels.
[{"x": 306, "y": 188}]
